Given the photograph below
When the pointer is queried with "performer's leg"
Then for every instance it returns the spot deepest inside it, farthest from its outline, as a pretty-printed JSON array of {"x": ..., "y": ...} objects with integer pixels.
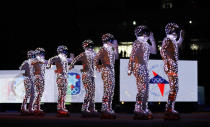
[
  {"x": 37, "y": 92},
  {"x": 92, "y": 96},
  {"x": 27, "y": 85},
  {"x": 62, "y": 88},
  {"x": 145, "y": 81},
  {"x": 41, "y": 93},
  {"x": 112, "y": 86},
  {"x": 170, "y": 112},
  {"x": 139, "y": 96},
  {"x": 32, "y": 97},
  {"x": 39, "y": 84},
  {"x": 106, "y": 90},
  {"x": 173, "y": 83},
  {"x": 145, "y": 103},
  {"x": 86, "y": 84},
  {"x": 59, "y": 105},
  {"x": 107, "y": 112}
]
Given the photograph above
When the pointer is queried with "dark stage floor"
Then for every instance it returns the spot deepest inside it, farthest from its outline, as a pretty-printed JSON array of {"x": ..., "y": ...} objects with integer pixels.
[{"x": 50, "y": 119}]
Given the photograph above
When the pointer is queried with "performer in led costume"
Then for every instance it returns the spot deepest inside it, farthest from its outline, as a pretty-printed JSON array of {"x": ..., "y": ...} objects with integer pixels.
[
  {"x": 61, "y": 61},
  {"x": 107, "y": 55},
  {"x": 39, "y": 65},
  {"x": 169, "y": 53},
  {"x": 28, "y": 83},
  {"x": 138, "y": 65},
  {"x": 87, "y": 58}
]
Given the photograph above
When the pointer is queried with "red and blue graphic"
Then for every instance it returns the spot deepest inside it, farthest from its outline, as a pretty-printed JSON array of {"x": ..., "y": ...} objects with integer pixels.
[
  {"x": 74, "y": 83},
  {"x": 157, "y": 79}
]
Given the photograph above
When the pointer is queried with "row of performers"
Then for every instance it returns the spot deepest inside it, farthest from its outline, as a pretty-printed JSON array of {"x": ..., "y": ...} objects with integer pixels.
[{"x": 138, "y": 65}]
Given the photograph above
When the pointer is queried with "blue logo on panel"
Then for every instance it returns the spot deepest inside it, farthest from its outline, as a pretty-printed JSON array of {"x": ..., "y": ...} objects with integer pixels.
[
  {"x": 73, "y": 83},
  {"x": 157, "y": 79}
]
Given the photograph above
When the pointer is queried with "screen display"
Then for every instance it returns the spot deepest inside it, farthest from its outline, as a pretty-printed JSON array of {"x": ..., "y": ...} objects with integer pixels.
[
  {"x": 12, "y": 86},
  {"x": 158, "y": 82}
]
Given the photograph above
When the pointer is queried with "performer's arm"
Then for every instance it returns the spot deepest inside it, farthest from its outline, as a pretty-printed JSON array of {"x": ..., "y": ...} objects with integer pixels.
[
  {"x": 50, "y": 62},
  {"x": 23, "y": 65},
  {"x": 78, "y": 58},
  {"x": 71, "y": 58},
  {"x": 97, "y": 58},
  {"x": 131, "y": 60},
  {"x": 116, "y": 49},
  {"x": 181, "y": 38},
  {"x": 46, "y": 62},
  {"x": 153, "y": 48}
]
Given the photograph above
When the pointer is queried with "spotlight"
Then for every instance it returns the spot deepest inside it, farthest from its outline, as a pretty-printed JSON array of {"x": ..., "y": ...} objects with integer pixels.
[
  {"x": 194, "y": 46},
  {"x": 159, "y": 47},
  {"x": 134, "y": 22}
]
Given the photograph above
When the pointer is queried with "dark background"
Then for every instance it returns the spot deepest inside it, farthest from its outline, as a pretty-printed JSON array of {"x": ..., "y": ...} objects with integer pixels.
[{"x": 25, "y": 26}]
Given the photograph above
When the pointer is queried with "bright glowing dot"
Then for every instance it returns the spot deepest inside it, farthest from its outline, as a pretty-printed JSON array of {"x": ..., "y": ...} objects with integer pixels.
[
  {"x": 159, "y": 47},
  {"x": 190, "y": 21},
  {"x": 122, "y": 102},
  {"x": 134, "y": 22},
  {"x": 68, "y": 103},
  {"x": 159, "y": 103},
  {"x": 194, "y": 46}
]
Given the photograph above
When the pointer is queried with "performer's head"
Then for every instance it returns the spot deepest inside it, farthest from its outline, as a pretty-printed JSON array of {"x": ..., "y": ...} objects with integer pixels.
[
  {"x": 142, "y": 33},
  {"x": 40, "y": 52},
  {"x": 88, "y": 45},
  {"x": 108, "y": 39},
  {"x": 31, "y": 54},
  {"x": 62, "y": 50},
  {"x": 172, "y": 31}
]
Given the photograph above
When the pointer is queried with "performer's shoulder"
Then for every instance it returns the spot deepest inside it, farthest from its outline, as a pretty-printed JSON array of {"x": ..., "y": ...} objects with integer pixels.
[
  {"x": 166, "y": 41},
  {"x": 54, "y": 57},
  {"x": 25, "y": 62},
  {"x": 102, "y": 49},
  {"x": 82, "y": 53},
  {"x": 34, "y": 61},
  {"x": 135, "y": 42}
]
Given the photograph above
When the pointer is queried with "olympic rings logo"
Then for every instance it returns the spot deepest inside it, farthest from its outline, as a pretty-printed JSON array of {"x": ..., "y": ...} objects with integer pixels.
[{"x": 157, "y": 80}]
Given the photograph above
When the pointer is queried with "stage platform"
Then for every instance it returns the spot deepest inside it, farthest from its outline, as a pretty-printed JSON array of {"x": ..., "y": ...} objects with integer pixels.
[{"x": 75, "y": 120}]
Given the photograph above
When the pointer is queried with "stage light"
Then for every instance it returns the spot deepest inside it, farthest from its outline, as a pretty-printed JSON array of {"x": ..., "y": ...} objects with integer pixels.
[
  {"x": 67, "y": 103},
  {"x": 134, "y": 22},
  {"x": 194, "y": 47},
  {"x": 122, "y": 102},
  {"x": 190, "y": 21},
  {"x": 159, "y": 47}
]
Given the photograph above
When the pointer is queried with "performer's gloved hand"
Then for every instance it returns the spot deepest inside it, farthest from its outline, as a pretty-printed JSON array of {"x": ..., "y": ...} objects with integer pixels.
[
  {"x": 47, "y": 67},
  {"x": 115, "y": 44},
  {"x": 182, "y": 34},
  {"x": 151, "y": 37},
  {"x": 129, "y": 72},
  {"x": 98, "y": 68},
  {"x": 71, "y": 67},
  {"x": 166, "y": 66},
  {"x": 71, "y": 56}
]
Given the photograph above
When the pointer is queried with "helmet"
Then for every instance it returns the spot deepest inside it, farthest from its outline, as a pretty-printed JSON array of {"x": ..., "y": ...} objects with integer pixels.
[
  {"x": 31, "y": 54},
  {"x": 172, "y": 28},
  {"x": 107, "y": 38},
  {"x": 40, "y": 51},
  {"x": 62, "y": 49},
  {"x": 142, "y": 30},
  {"x": 87, "y": 44}
]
